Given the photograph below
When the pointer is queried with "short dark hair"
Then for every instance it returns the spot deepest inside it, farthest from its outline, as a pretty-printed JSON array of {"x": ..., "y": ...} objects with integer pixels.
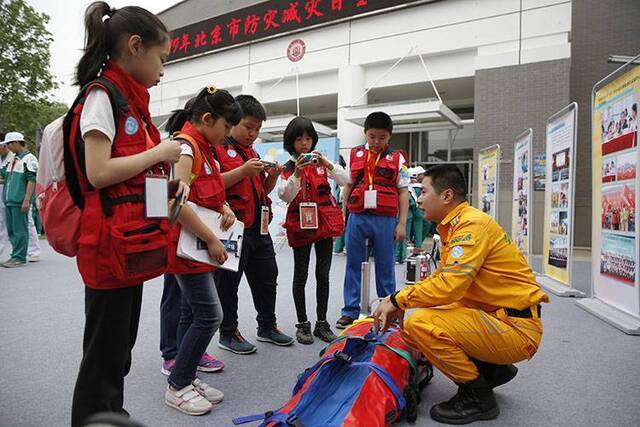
[
  {"x": 378, "y": 120},
  {"x": 2, "y": 136},
  {"x": 251, "y": 107},
  {"x": 295, "y": 129},
  {"x": 447, "y": 176}
]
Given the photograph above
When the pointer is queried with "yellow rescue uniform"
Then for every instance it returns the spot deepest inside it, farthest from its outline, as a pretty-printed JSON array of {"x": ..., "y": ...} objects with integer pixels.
[{"x": 481, "y": 303}]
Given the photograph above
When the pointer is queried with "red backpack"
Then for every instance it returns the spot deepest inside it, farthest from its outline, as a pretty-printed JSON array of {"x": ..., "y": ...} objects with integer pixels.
[{"x": 58, "y": 188}]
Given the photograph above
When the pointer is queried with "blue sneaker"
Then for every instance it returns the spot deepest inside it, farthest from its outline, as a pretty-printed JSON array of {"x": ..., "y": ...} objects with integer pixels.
[
  {"x": 274, "y": 336},
  {"x": 236, "y": 343}
]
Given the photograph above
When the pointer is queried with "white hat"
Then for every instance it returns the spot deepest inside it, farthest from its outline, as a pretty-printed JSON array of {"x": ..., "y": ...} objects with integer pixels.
[
  {"x": 414, "y": 172},
  {"x": 12, "y": 137}
]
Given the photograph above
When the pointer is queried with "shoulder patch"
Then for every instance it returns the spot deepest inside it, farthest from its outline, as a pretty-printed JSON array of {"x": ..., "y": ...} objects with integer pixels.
[
  {"x": 456, "y": 251},
  {"x": 462, "y": 239}
]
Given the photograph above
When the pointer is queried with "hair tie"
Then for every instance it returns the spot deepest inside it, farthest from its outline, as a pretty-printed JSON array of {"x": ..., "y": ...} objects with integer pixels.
[{"x": 211, "y": 89}]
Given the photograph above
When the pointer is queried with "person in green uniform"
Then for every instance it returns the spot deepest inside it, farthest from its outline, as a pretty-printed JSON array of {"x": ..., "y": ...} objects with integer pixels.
[
  {"x": 414, "y": 217},
  {"x": 19, "y": 184}
]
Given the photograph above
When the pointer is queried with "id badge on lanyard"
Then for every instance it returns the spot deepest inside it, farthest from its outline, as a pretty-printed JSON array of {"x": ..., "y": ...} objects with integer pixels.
[
  {"x": 156, "y": 196},
  {"x": 308, "y": 216},
  {"x": 371, "y": 195},
  {"x": 264, "y": 220}
]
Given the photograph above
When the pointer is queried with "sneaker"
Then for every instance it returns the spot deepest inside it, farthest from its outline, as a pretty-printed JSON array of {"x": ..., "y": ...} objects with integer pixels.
[
  {"x": 208, "y": 363},
  {"x": 211, "y": 394},
  {"x": 34, "y": 258},
  {"x": 236, "y": 344},
  {"x": 13, "y": 263},
  {"x": 274, "y": 336},
  {"x": 323, "y": 331},
  {"x": 303, "y": 333},
  {"x": 344, "y": 322},
  {"x": 188, "y": 400},
  {"x": 167, "y": 366}
]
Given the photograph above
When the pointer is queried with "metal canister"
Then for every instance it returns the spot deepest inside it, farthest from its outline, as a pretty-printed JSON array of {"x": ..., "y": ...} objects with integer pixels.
[
  {"x": 422, "y": 267},
  {"x": 410, "y": 270},
  {"x": 365, "y": 288},
  {"x": 410, "y": 250}
]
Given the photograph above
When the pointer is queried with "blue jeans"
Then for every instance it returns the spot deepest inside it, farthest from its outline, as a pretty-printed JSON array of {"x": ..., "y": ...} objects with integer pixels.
[
  {"x": 201, "y": 315},
  {"x": 170, "y": 307},
  {"x": 379, "y": 230}
]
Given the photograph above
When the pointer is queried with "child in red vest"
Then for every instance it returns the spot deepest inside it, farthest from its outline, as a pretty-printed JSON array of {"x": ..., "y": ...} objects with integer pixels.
[
  {"x": 119, "y": 246},
  {"x": 203, "y": 124},
  {"x": 248, "y": 184},
  {"x": 313, "y": 218},
  {"x": 377, "y": 201}
]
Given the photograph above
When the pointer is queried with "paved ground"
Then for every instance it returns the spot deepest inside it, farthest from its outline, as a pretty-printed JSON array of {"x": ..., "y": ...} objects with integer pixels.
[{"x": 585, "y": 374}]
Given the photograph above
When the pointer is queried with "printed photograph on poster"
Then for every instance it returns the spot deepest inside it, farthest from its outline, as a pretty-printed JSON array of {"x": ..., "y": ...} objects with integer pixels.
[
  {"x": 626, "y": 166},
  {"x": 560, "y": 222},
  {"x": 558, "y": 251},
  {"x": 609, "y": 169},
  {"x": 539, "y": 170},
  {"x": 618, "y": 258},
  {"x": 560, "y": 165},
  {"x": 563, "y": 197},
  {"x": 618, "y": 207},
  {"x": 619, "y": 168},
  {"x": 619, "y": 123},
  {"x": 555, "y": 195}
]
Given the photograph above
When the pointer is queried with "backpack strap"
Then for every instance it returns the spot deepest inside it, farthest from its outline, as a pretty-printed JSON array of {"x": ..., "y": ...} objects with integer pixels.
[
  {"x": 74, "y": 153},
  {"x": 197, "y": 154}
]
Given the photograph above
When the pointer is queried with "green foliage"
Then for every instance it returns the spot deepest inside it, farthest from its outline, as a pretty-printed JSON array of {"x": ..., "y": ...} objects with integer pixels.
[{"x": 26, "y": 81}]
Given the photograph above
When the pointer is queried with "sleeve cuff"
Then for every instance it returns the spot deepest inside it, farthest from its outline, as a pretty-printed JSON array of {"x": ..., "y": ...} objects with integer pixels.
[{"x": 401, "y": 297}]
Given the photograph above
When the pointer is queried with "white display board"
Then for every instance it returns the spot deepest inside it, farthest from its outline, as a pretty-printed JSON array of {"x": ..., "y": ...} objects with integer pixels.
[{"x": 521, "y": 216}]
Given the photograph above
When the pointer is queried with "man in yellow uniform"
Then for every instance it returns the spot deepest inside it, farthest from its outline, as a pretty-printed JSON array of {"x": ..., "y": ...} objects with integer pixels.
[{"x": 479, "y": 312}]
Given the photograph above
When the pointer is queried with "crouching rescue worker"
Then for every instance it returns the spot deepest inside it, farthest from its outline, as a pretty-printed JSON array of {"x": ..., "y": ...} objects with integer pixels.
[{"x": 479, "y": 312}]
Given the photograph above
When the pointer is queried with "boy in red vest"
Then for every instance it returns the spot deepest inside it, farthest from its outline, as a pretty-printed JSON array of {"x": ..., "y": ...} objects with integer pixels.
[
  {"x": 377, "y": 202},
  {"x": 248, "y": 184}
]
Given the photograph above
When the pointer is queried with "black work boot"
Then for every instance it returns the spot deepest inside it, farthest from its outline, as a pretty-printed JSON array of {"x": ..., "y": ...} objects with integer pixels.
[
  {"x": 303, "y": 333},
  {"x": 474, "y": 401},
  {"x": 495, "y": 375},
  {"x": 323, "y": 331}
]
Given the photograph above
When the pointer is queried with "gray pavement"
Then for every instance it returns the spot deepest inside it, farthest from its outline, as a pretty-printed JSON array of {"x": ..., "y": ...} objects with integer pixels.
[{"x": 585, "y": 374}]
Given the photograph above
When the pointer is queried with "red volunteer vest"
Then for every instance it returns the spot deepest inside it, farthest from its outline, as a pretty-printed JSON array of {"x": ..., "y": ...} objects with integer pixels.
[
  {"x": 315, "y": 186},
  {"x": 240, "y": 197},
  {"x": 207, "y": 190},
  {"x": 118, "y": 246},
  {"x": 384, "y": 175}
]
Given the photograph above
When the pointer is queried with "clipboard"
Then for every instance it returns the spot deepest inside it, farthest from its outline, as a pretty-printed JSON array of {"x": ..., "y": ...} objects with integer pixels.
[{"x": 195, "y": 249}]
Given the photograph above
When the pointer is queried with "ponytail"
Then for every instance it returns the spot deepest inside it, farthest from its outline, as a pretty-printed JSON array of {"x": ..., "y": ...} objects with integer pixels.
[
  {"x": 103, "y": 34},
  {"x": 217, "y": 102}
]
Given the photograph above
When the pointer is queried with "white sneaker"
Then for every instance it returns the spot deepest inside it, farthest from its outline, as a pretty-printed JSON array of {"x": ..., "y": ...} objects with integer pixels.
[
  {"x": 188, "y": 401},
  {"x": 34, "y": 258},
  {"x": 211, "y": 394}
]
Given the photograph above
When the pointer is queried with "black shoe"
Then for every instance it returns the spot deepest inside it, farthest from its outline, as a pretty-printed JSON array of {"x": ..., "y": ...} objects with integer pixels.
[
  {"x": 303, "y": 333},
  {"x": 323, "y": 331},
  {"x": 496, "y": 375},
  {"x": 274, "y": 336},
  {"x": 474, "y": 401},
  {"x": 344, "y": 322}
]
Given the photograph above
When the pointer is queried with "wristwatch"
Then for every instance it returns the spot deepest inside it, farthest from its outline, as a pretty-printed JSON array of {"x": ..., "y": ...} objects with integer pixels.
[{"x": 392, "y": 298}]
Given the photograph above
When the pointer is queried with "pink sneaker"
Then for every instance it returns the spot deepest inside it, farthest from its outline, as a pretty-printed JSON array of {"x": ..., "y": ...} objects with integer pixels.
[
  {"x": 208, "y": 363},
  {"x": 167, "y": 366}
]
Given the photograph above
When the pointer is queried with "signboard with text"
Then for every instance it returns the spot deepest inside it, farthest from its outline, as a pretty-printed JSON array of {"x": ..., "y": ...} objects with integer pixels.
[{"x": 268, "y": 19}]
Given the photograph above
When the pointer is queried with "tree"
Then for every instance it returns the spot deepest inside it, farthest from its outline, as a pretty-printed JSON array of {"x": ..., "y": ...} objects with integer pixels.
[{"x": 25, "y": 79}]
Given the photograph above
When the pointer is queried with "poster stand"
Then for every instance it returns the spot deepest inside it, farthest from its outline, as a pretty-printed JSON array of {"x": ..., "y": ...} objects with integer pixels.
[
  {"x": 615, "y": 298},
  {"x": 557, "y": 258},
  {"x": 489, "y": 180},
  {"x": 521, "y": 215}
]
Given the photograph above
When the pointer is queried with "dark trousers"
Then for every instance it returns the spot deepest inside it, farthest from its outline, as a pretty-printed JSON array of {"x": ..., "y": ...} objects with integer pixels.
[
  {"x": 200, "y": 318},
  {"x": 110, "y": 331},
  {"x": 258, "y": 263},
  {"x": 169, "y": 317},
  {"x": 301, "y": 257}
]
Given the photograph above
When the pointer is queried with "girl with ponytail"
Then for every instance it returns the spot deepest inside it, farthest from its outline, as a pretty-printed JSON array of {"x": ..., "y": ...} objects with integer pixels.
[
  {"x": 112, "y": 153},
  {"x": 203, "y": 123}
]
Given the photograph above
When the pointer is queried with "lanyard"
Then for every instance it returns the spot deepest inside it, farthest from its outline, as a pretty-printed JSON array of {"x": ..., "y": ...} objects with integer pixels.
[{"x": 370, "y": 169}]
